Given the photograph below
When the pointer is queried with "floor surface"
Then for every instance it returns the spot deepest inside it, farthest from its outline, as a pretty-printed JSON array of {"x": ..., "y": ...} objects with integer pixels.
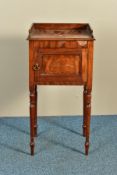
[{"x": 59, "y": 147}]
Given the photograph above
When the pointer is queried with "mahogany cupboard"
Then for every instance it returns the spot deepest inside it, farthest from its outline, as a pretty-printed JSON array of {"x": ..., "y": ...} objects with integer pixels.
[{"x": 60, "y": 54}]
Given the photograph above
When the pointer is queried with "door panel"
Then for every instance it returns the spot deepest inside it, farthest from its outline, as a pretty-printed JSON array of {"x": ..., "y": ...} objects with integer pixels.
[{"x": 59, "y": 64}]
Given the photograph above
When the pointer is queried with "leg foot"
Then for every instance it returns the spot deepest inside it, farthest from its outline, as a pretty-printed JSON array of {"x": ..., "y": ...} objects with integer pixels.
[
  {"x": 86, "y": 148},
  {"x": 32, "y": 149}
]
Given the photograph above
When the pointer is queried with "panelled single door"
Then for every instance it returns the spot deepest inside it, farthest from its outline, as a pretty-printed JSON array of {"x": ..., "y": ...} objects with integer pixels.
[{"x": 62, "y": 64}]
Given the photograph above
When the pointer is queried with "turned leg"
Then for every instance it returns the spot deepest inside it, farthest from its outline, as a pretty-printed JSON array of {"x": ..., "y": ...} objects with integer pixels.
[
  {"x": 35, "y": 122},
  {"x": 87, "y": 95},
  {"x": 32, "y": 120},
  {"x": 84, "y": 111},
  {"x": 88, "y": 116}
]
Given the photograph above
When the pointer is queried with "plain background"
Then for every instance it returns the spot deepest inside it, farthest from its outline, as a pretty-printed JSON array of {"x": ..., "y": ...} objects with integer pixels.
[{"x": 15, "y": 19}]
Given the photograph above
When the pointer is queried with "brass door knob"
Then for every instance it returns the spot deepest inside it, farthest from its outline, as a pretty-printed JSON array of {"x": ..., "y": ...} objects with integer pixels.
[{"x": 36, "y": 67}]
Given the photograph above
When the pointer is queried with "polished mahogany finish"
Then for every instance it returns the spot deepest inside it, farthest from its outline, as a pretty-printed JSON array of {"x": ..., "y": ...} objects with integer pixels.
[{"x": 60, "y": 54}]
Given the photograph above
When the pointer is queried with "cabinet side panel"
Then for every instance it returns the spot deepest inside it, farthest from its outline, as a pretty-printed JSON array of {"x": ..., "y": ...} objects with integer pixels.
[{"x": 90, "y": 64}]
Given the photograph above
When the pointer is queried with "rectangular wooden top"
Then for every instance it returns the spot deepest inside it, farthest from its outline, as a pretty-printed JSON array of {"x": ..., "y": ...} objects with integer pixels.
[{"x": 60, "y": 31}]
